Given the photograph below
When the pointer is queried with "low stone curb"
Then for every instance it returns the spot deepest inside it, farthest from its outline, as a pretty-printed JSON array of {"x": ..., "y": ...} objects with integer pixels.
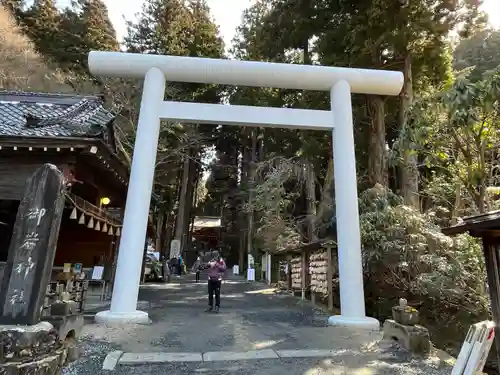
[
  {"x": 111, "y": 360},
  {"x": 121, "y": 358}
]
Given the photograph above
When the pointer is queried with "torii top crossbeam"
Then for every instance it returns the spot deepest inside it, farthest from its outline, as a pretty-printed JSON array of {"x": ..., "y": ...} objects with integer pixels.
[{"x": 245, "y": 73}]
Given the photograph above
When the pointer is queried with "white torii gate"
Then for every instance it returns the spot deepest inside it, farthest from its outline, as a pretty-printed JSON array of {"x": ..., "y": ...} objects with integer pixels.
[{"x": 155, "y": 69}]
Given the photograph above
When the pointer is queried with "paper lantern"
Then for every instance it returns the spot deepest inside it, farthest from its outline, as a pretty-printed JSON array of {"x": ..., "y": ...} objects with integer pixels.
[
  {"x": 105, "y": 228},
  {"x": 110, "y": 230},
  {"x": 91, "y": 223},
  {"x": 98, "y": 226},
  {"x": 73, "y": 215},
  {"x": 118, "y": 232},
  {"x": 82, "y": 219}
]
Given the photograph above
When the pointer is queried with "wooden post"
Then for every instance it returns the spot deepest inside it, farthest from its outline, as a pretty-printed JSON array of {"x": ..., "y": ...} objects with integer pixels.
[
  {"x": 491, "y": 257},
  {"x": 116, "y": 242},
  {"x": 263, "y": 265},
  {"x": 329, "y": 277},
  {"x": 289, "y": 272},
  {"x": 32, "y": 248},
  {"x": 241, "y": 251},
  {"x": 303, "y": 273},
  {"x": 278, "y": 271},
  {"x": 269, "y": 270}
]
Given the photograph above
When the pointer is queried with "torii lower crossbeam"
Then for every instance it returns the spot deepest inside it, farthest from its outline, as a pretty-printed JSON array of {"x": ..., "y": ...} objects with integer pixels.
[{"x": 340, "y": 82}]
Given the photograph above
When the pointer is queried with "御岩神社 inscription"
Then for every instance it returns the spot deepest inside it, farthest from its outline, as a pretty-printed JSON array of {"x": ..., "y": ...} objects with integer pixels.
[{"x": 32, "y": 248}]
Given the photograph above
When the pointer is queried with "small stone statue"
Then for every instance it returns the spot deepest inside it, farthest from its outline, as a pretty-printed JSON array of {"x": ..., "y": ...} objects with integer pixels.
[
  {"x": 405, "y": 329},
  {"x": 405, "y": 314}
]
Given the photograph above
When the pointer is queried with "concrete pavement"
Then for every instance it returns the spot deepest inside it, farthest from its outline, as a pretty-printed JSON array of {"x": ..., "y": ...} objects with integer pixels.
[{"x": 256, "y": 332}]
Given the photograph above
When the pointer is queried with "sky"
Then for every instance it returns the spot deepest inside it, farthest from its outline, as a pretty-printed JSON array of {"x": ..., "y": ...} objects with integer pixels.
[{"x": 227, "y": 14}]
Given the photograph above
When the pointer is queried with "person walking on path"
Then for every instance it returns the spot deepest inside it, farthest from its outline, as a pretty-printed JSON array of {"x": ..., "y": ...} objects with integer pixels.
[
  {"x": 215, "y": 272},
  {"x": 180, "y": 265},
  {"x": 197, "y": 268}
]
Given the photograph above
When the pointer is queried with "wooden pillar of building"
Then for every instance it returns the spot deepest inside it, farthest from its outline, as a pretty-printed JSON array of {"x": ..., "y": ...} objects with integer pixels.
[
  {"x": 491, "y": 257},
  {"x": 278, "y": 270},
  {"x": 263, "y": 267},
  {"x": 114, "y": 259},
  {"x": 289, "y": 272},
  {"x": 329, "y": 276}
]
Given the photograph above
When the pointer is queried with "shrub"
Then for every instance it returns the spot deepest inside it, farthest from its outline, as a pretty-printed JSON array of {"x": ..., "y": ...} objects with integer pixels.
[{"x": 406, "y": 255}]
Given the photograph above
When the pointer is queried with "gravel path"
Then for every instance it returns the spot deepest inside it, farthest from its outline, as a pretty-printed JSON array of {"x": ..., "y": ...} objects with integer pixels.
[{"x": 252, "y": 317}]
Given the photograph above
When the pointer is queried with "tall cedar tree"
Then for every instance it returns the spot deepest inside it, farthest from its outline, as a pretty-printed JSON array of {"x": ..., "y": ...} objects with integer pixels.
[
  {"x": 383, "y": 34},
  {"x": 67, "y": 36},
  {"x": 180, "y": 28},
  {"x": 99, "y": 33},
  {"x": 481, "y": 53},
  {"x": 43, "y": 26}
]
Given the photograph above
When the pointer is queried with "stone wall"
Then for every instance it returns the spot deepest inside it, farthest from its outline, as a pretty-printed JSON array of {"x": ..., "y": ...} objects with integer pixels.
[{"x": 28, "y": 350}]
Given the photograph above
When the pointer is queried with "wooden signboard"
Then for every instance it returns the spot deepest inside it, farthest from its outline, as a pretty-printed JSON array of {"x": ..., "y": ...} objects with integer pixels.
[{"x": 32, "y": 248}]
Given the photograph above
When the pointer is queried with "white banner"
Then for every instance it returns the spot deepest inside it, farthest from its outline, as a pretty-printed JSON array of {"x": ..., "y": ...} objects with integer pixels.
[
  {"x": 250, "y": 274},
  {"x": 175, "y": 248},
  {"x": 475, "y": 349}
]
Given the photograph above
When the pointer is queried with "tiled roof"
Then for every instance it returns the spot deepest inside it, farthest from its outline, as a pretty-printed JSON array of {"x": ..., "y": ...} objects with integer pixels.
[{"x": 51, "y": 115}]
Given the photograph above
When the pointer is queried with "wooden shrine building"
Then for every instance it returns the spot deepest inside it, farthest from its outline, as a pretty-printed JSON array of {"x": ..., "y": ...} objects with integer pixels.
[
  {"x": 206, "y": 230},
  {"x": 487, "y": 227},
  {"x": 205, "y": 236},
  {"x": 75, "y": 133}
]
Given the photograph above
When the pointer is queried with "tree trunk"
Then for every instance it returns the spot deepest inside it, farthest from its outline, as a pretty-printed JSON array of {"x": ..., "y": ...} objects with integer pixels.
[
  {"x": 194, "y": 201},
  {"x": 311, "y": 204},
  {"x": 377, "y": 154},
  {"x": 160, "y": 229},
  {"x": 481, "y": 199},
  {"x": 245, "y": 165},
  {"x": 229, "y": 150},
  {"x": 169, "y": 231},
  {"x": 189, "y": 200},
  {"x": 409, "y": 171},
  {"x": 457, "y": 206},
  {"x": 180, "y": 225},
  {"x": 325, "y": 206},
  {"x": 250, "y": 194}
]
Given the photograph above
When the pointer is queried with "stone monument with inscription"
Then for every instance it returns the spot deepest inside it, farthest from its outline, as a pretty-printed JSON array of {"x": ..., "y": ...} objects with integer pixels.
[
  {"x": 27, "y": 345},
  {"x": 32, "y": 247}
]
